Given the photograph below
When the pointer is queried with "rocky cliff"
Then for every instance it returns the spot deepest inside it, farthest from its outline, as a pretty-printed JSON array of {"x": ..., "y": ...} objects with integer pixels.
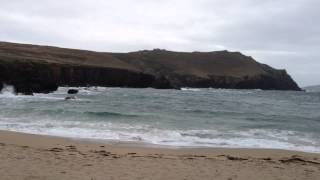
[{"x": 31, "y": 68}]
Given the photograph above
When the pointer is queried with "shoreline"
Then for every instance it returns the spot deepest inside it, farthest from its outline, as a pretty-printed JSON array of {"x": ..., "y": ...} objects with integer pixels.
[
  {"x": 146, "y": 145},
  {"x": 23, "y": 155}
]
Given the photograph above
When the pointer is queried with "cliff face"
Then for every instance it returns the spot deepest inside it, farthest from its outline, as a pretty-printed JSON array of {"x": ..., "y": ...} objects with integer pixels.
[{"x": 42, "y": 69}]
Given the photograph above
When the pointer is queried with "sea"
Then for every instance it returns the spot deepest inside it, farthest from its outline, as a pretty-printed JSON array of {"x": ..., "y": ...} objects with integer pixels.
[{"x": 186, "y": 118}]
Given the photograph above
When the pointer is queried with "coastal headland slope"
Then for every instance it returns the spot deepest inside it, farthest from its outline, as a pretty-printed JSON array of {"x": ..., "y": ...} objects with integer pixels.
[{"x": 41, "y": 69}]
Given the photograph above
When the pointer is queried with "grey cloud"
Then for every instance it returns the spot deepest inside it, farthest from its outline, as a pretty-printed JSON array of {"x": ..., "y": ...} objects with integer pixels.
[{"x": 282, "y": 33}]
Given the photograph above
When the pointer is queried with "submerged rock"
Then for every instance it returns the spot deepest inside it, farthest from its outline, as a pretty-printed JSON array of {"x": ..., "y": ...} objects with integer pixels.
[{"x": 70, "y": 98}]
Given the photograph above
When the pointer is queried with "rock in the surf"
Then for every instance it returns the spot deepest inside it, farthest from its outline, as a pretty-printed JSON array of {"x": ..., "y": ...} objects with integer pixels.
[{"x": 73, "y": 91}]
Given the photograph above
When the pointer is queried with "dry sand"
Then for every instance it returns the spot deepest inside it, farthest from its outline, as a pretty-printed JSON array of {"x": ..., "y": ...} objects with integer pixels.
[{"x": 24, "y": 156}]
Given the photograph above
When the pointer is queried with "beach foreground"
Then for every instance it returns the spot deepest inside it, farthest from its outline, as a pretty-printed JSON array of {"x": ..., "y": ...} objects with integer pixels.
[{"x": 24, "y": 156}]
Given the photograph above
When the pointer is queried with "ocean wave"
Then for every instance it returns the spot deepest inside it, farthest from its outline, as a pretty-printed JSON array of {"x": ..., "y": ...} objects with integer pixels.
[
  {"x": 254, "y": 138},
  {"x": 190, "y": 89},
  {"x": 209, "y": 118},
  {"x": 71, "y": 114},
  {"x": 109, "y": 114}
]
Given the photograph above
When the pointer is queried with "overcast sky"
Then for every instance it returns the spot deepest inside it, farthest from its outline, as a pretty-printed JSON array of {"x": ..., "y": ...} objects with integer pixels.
[{"x": 282, "y": 33}]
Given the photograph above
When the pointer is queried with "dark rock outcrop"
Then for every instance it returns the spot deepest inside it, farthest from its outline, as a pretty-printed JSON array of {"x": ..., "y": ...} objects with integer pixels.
[
  {"x": 73, "y": 91},
  {"x": 41, "y": 69}
]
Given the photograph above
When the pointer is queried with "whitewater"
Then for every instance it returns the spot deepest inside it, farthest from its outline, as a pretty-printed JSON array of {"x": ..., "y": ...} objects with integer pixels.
[{"x": 172, "y": 118}]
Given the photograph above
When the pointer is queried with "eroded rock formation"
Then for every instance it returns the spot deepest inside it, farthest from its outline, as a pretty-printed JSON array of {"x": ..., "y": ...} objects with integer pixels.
[{"x": 31, "y": 68}]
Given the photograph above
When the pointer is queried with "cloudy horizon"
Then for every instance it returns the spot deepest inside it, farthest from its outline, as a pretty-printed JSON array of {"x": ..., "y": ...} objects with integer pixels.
[{"x": 283, "y": 34}]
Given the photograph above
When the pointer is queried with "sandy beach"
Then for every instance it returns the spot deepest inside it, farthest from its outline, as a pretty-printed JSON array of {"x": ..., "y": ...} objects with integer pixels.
[{"x": 24, "y": 156}]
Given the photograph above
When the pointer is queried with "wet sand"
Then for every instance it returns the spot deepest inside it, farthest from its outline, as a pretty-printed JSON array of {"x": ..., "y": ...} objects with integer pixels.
[{"x": 25, "y": 156}]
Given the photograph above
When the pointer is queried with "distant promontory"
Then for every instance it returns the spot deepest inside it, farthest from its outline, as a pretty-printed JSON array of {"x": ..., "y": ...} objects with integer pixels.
[{"x": 41, "y": 69}]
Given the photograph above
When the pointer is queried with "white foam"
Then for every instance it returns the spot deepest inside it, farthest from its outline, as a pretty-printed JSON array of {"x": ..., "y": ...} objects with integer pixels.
[
  {"x": 75, "y": 127},
  {"x": 190, "y": 89},
  {"x": 7, "y": 91},
  {"x": 176, "y": 138}
]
